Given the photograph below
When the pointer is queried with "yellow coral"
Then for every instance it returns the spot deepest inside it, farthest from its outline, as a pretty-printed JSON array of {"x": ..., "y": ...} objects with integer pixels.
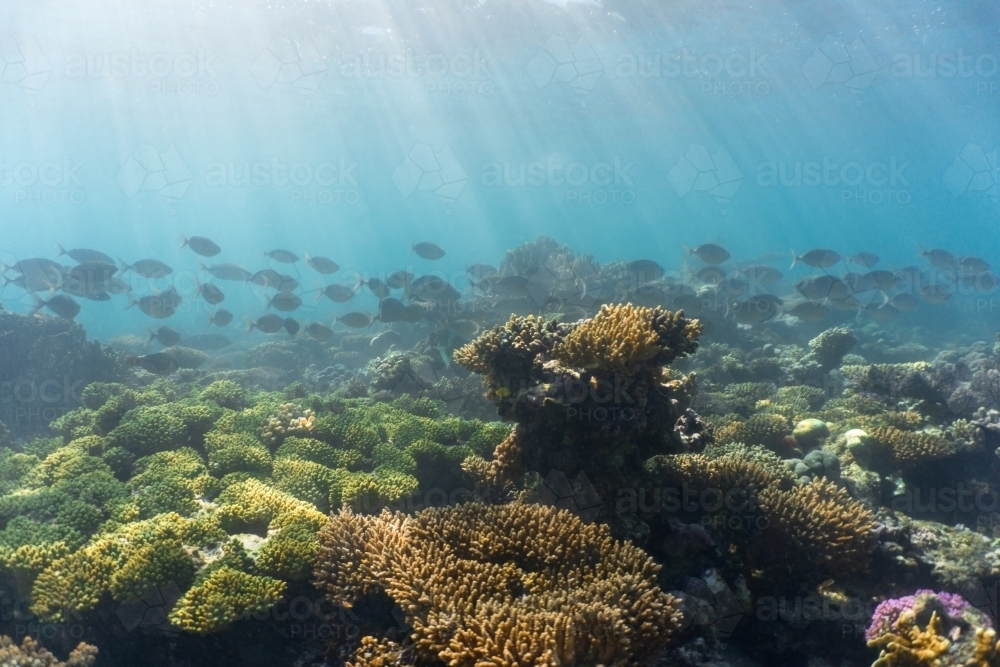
[
  {"x": 823, "y": 522},
  {"x": 31, "y": 654},
  {"x": 910, "y": 646},
  {"x": 223, "y": 597},
  {"x": 253, "y": 506},
  {"x": 908, "y": 448},
  {"x": 621, "y": 336},
  {"x": 502, "y": 585}
]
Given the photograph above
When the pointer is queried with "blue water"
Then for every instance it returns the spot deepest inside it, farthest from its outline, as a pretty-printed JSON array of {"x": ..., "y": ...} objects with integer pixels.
[{"x": 610, "y": 108}]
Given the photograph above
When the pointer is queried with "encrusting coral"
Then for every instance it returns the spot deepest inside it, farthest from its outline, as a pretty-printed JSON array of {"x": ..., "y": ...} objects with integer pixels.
[{"x": 504, "y": 585}]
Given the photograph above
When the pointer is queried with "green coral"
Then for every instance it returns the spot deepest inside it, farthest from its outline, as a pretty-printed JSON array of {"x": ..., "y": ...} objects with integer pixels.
[
  {"x": 226, "y": 394},
  {"x": 236, "y": 452},
  {"x": 222, "y": 598},
  {"x": 147, "y": 430}
]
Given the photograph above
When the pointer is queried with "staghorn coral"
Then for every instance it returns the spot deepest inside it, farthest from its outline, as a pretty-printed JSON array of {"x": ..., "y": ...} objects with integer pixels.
[
  {"x": 621, "y": 337},
  {"x": 31, "y": 654},
  {"x": 906, "y": 448},
  {"x": 513, "y": 584},
  {"x": 909, "y": 646},
  {"x": 822, "y": 523}
]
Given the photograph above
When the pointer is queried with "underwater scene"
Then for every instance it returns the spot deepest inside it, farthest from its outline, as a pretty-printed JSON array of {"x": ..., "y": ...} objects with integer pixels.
[{"x": 499, "y": 333}]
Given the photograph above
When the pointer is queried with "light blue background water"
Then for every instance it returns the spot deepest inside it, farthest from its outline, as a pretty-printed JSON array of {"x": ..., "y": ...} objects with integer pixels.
[{"x": 484, "y": 82}]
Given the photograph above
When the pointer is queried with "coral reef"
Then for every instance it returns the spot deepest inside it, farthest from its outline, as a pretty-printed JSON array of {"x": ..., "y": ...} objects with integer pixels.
[
  {"x": 508, "y": 585},
  {"x": 30, "y": 654}
]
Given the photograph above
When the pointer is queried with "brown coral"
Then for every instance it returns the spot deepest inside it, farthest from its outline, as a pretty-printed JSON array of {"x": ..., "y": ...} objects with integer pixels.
[
  {"x": 908, "y": 448},
  {"x": 502, "y": 585},
  {"x": 622, "y": 336},
  {"x": 823, "y": 522},
  {"x": 31, "y": 654},
  {"x": 375, "y": 652}
]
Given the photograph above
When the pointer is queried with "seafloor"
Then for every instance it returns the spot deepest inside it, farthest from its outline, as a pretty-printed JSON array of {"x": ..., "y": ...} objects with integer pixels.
[{"x": 626, "y": 485}]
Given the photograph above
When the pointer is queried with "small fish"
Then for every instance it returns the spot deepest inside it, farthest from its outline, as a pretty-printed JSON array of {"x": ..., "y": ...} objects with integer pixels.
[
  {"x": 82, "y": 255},
  {"x": 710, "y": 253},
  {"x": 940, "y": 259},
  {"x": 268, "y": 324},
  {"x": 935, "y": 294},
  {"x": 820, "y": 258},
  {"x": 266, "y": 278},
  {"x": 761, "y": 274},
  {"x": 479, "y": 271},
  {"x": 880, "y": 313},
  {"x": 426, "y": 250},
  {"x": 807, "y": 311},
  {"x": 227, "y": 271},
  {"x": 41, "y": 267},
  {"x": 220, "y": 318},
  {"x": 284, "y": 302},
  {"x": 391, "y": 310},
  {"x": 62, "y": 305},
  {"x": 291, "y": 326},
  {"x": 646, "y": 270},
  {"x": 984, "y": 283},
  {"x": 166, "y": 336},
  {"x": 159, "y": 306},
  {"x": 505, "y": 285},
  {"x": 147, "y": 268},
  {"x": 119, "y": 286},
  {"x": 335, "y": 292},
  {"x": 356, "y": 320},
  {"x": 319, "y": 332},
  {"x": 973, "y": 266},
  {"x": 464, "y": 329},
  {"x": 882, "y": 280},
  {"x": 201, "y": 245},
  {"x": 399, "y": 279},
  {"x": 159, "y": 363},
  {"x": 207, "y": 342},
  {"x": 378, "y": 288},
  {"x": 287, "y": 283},
  {"x": 904, "y": 302},
  {"x": 322, "y": 264},
  {"x": 822, "y": 286},
  {"x": 212, "y": 294},
  {"x": 31, "y": 283},
  {"x": 384, "y": 341},
  {"x": 758, "y": 309},
  {"x": 283, "y": 256},
  {"x": 865, "y": 259}
]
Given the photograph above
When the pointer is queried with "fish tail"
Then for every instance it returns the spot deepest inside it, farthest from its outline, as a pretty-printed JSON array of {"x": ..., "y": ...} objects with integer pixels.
[
  {"x": 62, "y": 251},
  {"x": 250, "y": 325},
  {"x": 795, "y": 260},
  {"x": 125, "y": 267},
  {"x": 687, "y": 251},
  {"x": 269, "y": 300},
  {"x": 184, "y": 242},
  {"x": 131, "y": 302},
  {"x": 38, "y": 304},
  {"x": 197, "y": 287},
  {"x": 152, "y": 336}
]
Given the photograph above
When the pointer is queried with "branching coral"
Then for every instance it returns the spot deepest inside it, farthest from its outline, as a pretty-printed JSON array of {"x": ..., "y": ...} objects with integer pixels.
[
  {"x": 620, "y": 337},
  {"x": 906, "y": 448},
  {"x": 31, "y": 654},
  {"x": 508, "y": 585},
  {"x": 222, "y": 597}
]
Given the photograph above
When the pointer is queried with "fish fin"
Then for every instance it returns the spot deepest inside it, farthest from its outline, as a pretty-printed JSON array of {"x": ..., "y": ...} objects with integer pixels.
[
  {"x": 184, "y": 242},
  {"x": 201, "y": 266},
  {"x": 62, "y": 251},
  {"x": 38, "y": 304},
  {"x": 795, "y": 260},
  {"x": 319, "y": 293},
  {"x": 687, "y": 251},
  {"x": 152, "y": 336},
  {"x": 250, "y": 325},
  {"x": 197, "y": 287},
  {"x": 125, "y": 267},
  {"x": 131, "y": 302},
  {"x": 269, "y": 300}
]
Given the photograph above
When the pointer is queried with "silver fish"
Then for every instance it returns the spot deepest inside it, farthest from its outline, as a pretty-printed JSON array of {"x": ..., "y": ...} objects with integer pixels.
[
  {"x": 322, "y": 264},
  {"x": 426, "y": 250},
  {"x": 201, "y": 245},
  {"x": 710, "y": 253}
]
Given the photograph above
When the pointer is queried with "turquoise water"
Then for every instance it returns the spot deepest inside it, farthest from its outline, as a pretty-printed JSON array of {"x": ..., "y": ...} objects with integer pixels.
[{"x": 363, "y": 85}]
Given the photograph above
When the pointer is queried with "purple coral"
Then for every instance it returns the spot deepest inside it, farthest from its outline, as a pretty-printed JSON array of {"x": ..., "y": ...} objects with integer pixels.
[{"x": 888, "y": 611}]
